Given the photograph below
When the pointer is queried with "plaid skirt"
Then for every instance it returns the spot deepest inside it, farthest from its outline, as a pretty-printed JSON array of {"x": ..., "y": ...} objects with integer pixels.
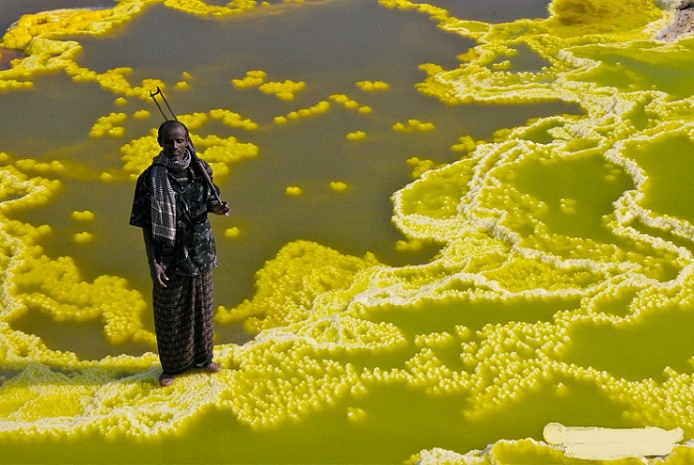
[{"x": 183, "y": 322}]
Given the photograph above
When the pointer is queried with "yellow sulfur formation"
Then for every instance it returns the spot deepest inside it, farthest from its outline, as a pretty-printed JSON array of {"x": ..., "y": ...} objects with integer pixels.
[
  {"x": 465, "y": 144},
  {"x": 409, "y": 245},
  {"x": 202, "y": 8},
  {"x": 252, "y": 79},
  {"x": 350, "y": 104},
  {"x": 356, "y": 135},
  {"x": 563, "y": 270},
  {"x": 40, "y": 167},
  {"x": 289, "y": 299},
  {"x": 294, "y": 191},
  {"x": 85, "y": 216},
  {"x": 108, "y": 125},
  {"x": 370, "y": 86},
  {"x": 233, "y": 120},
  {"x": 83, "y": 237},
  {"x": 413, "y": 125},
  {"x": 419, "y": 166},
  {"x": 338, "y": 186},
  {"x": 232, "y": 233},
  {"x": 218, "y": 152},
  {"x": 282, "y": 90},
  {"x": 317, "y": 109},
  {"x": 142, "y": 114},
  {"x": 285, "y": 90}
]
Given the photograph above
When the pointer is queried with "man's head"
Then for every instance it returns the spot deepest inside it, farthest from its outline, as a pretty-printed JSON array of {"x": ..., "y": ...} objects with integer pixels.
[{"x": 172, "y": 137}]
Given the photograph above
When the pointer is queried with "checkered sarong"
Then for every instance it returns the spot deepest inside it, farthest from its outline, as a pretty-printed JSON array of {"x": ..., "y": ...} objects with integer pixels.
[{"x": 183, "y": 322}]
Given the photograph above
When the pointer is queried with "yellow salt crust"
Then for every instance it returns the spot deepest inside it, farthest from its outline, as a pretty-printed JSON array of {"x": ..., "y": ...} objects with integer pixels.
[
  {"x": 313, "y": 304},
  {"x": 107, "y": 124},
  {"x": 411, "y": 245},
  {"x": 219, "y": 152},
  {"x": 28, "y": 164},
  {"x": 233, "y": 119},
  {"x": 253, "y": 78},
  {"x": 202, "y": 8},
  {"x": 317, "y": 109},
  {"x": 285, "y": 90},
  {"x": 142, "y": 114},
  {"x": 83, "y": 237},
  {"x": 420, "y": 166},
  {"x": 31, "y": 280},
  {"x": 338, "y": 186},
  {"x": 232, "y": 233},
  {"x": 287, "y": 351},
  {"x": 535, "y": 374},
  {"x": 316, "y": 272},
  {"x": 54, "y": 23},
  {"x": 365, "y": 110},
  {"x": 56, "y": 288},
  {"x": 294, "y": 191},
  {"x": 371, "y": 86},
  {"x": 349, "y": 103},
  {"x": 412, "y": 125},
  {"x": 18, "y": 191},
  {"x": 356, "y": 135},
  {"x": 39, "y": 37},
  {"x": 356, "y": 415},
  {"x": 465, "y": 144},
  {"x": 114, "y": 80}
]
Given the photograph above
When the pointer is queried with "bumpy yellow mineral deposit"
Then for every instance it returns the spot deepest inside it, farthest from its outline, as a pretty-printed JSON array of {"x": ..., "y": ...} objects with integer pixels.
[{"x": 529, "y": 268}]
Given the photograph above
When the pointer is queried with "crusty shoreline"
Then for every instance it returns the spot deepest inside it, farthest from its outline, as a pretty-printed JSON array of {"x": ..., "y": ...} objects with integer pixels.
[{"x": 683, "y": 24}]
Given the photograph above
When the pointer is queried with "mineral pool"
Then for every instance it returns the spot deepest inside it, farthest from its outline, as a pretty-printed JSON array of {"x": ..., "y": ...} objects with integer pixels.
[{"x": 454, "y": 223}]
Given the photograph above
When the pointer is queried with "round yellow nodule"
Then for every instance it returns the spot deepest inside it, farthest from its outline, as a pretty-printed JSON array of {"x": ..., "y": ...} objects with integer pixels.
[{"x": 293, "y": 191}]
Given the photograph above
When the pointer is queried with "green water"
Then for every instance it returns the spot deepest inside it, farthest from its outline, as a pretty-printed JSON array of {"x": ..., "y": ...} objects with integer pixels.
[
  {"x": 311, "y": 44},
  {"x": 541, "y": 274}
]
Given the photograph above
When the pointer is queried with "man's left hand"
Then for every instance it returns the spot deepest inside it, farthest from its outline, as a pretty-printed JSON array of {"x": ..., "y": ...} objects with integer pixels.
[{"x": 223, "y": 209}]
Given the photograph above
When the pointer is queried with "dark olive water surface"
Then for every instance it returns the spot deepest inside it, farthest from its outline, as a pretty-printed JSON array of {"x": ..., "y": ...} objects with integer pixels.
[{"x": 328, "y": 45}]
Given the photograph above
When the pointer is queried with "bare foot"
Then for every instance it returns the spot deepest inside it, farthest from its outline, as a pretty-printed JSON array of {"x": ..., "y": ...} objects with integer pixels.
[
  {"x": 166, "y": 380},
  {"x": 213, "y": 367}
]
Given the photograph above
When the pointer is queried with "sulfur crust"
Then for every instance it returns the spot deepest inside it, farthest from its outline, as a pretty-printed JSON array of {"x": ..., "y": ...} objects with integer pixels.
[{"x": 314, "y": 307}]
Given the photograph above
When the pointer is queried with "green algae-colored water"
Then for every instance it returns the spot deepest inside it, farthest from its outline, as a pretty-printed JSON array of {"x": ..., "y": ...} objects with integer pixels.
[{"x": 453, "y": 223}]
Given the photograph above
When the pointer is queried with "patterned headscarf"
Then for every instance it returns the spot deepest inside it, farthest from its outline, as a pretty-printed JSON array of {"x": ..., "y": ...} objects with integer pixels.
[{"x": 164, "y": 197}]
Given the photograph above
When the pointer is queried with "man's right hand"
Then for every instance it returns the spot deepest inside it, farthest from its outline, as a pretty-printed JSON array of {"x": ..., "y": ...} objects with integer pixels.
[{"x": 159, "y": 275}]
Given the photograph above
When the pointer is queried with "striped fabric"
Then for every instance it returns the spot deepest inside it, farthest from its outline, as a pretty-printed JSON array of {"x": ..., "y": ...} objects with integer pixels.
[
  {"x": 164, "y": 197},
  {"x": 183, "y": 322}
]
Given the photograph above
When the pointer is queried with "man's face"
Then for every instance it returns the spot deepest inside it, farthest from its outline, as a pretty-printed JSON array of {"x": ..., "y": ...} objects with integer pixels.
[{"x": 173, "y": 141}]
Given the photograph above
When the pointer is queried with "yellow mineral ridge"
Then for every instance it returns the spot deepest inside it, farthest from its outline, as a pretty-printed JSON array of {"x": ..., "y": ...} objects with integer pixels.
[
  {"x": 317, "y": 109},
  {"x": 318, "y": 315}
]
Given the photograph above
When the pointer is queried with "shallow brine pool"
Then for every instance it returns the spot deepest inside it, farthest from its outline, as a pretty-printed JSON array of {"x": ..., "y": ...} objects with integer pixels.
[{"x": 453, "y": 223}]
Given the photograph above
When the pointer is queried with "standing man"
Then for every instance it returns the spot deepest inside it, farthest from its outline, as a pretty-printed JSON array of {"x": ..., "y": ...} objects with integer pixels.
[{"x": 172, "y": 200}]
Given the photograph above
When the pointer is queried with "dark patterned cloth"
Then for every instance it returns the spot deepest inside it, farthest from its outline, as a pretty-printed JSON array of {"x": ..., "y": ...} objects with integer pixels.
[
  {"x": 194, "y": 250},
  {"x": 183, "y": 322},
  {"x": 163, "y": 205},
  {"x": 183, "y": 309}
]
